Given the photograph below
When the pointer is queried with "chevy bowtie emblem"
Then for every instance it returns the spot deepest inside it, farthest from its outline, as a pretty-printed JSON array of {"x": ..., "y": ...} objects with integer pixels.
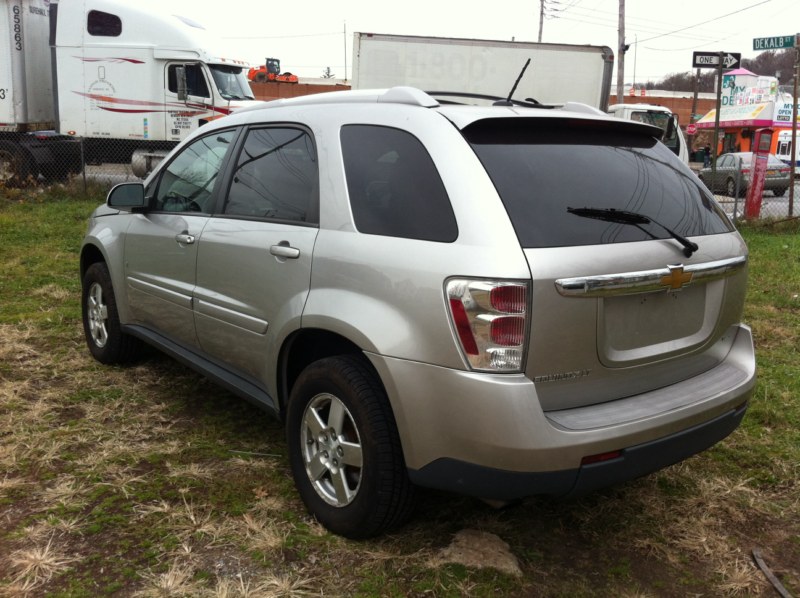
[{"x": 677, "y": 278}]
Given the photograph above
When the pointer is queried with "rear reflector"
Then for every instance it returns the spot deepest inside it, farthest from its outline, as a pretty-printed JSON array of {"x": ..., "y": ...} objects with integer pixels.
[
  {"x": 601, "y": 457},
  {"x": 461, "y": 322}
]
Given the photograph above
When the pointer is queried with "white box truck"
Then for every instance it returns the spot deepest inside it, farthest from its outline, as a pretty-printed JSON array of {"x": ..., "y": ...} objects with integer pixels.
[
  {"x": 129, "y": 79},
  {"x": 659, "y": 116},
  {"x": 557, "y": 74}
]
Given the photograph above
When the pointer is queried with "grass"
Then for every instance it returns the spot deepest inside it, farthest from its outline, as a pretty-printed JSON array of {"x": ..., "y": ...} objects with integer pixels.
[{"x": 151, "y": 481}]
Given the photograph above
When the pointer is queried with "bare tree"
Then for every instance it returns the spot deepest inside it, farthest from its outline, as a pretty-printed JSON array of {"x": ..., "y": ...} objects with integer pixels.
[{"x": 327, "y": 74}]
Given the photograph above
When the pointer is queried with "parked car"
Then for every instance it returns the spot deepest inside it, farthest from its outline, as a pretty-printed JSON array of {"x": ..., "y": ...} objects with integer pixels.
[
  {"x": 730, "y": 165},
  {"x": 499, "y": 301}
]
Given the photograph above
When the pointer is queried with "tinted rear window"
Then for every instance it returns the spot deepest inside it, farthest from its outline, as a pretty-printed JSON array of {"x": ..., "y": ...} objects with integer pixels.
[
  {"x": 541, "y": 168},
  {"x": 394, "y": 187}
]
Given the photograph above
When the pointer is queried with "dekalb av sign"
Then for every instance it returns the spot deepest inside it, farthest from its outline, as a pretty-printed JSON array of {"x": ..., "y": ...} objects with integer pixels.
[{"x": 730, "y": 60}]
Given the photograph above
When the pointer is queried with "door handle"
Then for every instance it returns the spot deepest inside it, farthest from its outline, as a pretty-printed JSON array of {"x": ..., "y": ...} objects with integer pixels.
[
  {"x": 184, "y": 238},
  {"x": 284, "y": 250}
]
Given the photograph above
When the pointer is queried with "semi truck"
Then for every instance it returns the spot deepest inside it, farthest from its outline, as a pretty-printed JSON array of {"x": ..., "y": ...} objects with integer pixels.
[
  {"x": 558, "y": 73},
  {"x": 660, "y": 116},
  {"x": 130, "y": 80}
]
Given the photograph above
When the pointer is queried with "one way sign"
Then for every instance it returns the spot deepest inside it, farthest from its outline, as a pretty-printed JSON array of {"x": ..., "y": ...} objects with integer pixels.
[{"x": 730, "y": 60}]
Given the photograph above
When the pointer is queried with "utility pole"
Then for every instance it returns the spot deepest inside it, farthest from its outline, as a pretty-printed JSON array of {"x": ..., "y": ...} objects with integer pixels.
[
  {"x": 621, "y": 54},
  {"x": 541, "y": 19},
  {"x": 694, "y": 105},
  {"x": 793, "y": 152}
]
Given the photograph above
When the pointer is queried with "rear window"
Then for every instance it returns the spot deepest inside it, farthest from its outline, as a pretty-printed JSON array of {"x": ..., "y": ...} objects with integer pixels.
[{"x": 541, "y": 168}]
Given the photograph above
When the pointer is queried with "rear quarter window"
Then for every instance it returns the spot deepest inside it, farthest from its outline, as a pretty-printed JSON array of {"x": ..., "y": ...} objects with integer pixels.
[
  {"x": 542, "y": 167},
  {"x": 394, "y": 187}
]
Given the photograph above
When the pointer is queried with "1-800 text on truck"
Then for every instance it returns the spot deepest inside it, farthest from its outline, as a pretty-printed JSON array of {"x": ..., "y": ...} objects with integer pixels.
[{"x": 559, "y": 73}]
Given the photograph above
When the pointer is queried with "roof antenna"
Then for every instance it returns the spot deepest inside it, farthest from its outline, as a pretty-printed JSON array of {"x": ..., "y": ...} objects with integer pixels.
[{"x": 507, "y": 101}]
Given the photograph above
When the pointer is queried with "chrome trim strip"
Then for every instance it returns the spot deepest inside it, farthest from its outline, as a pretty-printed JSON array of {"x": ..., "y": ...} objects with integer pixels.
[{"x": 647, "y": 281}]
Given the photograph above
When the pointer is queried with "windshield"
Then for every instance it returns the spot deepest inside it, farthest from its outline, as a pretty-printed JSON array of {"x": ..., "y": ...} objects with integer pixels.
[
  {"x": 660, "y": 120},
  {"x": 231, "y": 82},
  {"x": 542, "y": 169}
]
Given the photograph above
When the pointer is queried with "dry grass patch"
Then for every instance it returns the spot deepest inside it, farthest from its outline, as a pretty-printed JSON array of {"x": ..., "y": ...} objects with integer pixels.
[{"x": 34, "y": 566}]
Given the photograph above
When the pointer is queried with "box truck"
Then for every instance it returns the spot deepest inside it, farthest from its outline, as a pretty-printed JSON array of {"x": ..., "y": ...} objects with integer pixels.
[
  {"x": 558, "y": 73},
  {"x": 129, "y": 79}
]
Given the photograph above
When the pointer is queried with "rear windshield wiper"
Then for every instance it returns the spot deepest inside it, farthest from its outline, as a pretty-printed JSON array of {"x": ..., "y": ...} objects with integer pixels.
[{"x": 634, "y": 219}]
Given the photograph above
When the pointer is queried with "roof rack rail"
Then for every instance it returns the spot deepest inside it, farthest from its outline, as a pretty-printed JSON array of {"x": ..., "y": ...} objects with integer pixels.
[
  {"x": 496, "y": 100},
  {"x": 394, "y": 95}
]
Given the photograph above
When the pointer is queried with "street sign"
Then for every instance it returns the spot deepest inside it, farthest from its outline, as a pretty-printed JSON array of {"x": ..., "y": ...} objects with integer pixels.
[
  {"x": 773, "y": 43},
  {"x": 730, "y": 60},
  {"x": 691, "y": 129}
]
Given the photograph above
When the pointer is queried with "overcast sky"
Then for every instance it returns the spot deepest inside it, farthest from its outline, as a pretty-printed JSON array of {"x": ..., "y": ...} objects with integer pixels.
[{"x": 309, "y": 36}]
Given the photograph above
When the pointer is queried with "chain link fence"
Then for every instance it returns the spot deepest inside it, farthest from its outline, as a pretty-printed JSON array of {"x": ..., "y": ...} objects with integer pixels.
[
  {"x": 45, "y": 158},
  {"x": 730, "y": 189}
]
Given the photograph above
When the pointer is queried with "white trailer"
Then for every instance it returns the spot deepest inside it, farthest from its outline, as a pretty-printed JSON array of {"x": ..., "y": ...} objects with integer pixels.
[
  {"x": 558, "y": 73},
  {"x": 130, "y": 80},
  {"x": 660, "y": 116},
  {"x": 28, "y": 143}
]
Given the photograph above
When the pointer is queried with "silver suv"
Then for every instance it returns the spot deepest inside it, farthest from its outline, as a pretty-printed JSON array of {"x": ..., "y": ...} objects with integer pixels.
[{"x": 495, "y": 300}]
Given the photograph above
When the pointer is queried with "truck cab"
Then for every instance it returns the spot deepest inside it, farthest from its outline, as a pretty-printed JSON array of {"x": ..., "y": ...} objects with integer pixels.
[
  {"x": 128, "y": 73},
  {"x": 659, "y": 116}
]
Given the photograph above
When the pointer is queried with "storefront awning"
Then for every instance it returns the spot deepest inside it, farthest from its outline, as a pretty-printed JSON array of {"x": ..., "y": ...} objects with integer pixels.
[{"x": 747, "y": 115}]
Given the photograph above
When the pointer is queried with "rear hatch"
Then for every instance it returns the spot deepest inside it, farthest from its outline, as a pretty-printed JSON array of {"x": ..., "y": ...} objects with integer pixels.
[{"x": 638, "y": 277}]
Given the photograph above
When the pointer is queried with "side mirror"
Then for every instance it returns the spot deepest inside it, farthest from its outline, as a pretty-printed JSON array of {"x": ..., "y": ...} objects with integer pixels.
[
  {"x": 180, "y": 74},
  {"x": 127, "y": 197},
  {"x": 669, "y": 130}
]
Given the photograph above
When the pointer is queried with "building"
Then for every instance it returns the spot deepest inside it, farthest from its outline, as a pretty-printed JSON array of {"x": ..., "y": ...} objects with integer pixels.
[{"x": 751, "y": 102}]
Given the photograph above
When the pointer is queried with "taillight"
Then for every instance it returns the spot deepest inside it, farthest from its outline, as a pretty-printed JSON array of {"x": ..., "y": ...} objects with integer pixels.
[{"x": 490, "y": 320}]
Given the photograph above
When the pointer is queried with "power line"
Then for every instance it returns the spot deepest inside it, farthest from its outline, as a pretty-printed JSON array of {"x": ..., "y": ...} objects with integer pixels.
[{"x": 706, "y": 22}]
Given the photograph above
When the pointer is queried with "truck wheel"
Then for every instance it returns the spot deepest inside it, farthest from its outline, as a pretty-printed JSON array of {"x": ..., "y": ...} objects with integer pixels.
[
  {"x": 730, "y": 187},
  {"x": 344, "y": 449},
  {"x": 15, "y": 165},
  {"x": 261, "y": 77},
  {"x": 779, "y": 192},
  {"x": 107, "y": 343}
]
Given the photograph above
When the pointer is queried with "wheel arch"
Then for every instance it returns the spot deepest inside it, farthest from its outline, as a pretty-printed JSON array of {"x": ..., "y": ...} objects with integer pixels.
[
  {"x": 90, "y": 254},
  {"x": 302, "y": 349}
]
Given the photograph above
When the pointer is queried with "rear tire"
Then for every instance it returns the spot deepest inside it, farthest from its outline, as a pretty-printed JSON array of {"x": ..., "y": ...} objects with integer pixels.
[
  {"x": 344, "y": 449},
  {"x": 779, "y": 192},
  {"x": 104, "y": 337},
  {"x": 16, "y": 166}
]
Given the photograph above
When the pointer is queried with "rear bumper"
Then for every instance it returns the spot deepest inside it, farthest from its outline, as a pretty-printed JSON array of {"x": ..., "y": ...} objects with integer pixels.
[
  {"x": 487, "y": 435},
  {"x": 634, "y": 462}
]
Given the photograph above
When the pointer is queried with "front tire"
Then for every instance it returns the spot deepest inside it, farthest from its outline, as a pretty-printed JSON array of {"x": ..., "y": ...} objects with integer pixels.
[
  {"x": 104, "y": 337},
  {"x": 344, "y": 449}
]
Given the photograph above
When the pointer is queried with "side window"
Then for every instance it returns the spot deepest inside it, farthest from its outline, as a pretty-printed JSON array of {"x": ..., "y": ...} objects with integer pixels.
[
  {"x": 187, "y": 183},
  {"x": 276, "y": 177},
  {"x": 103, "y": 24},
  {"x": 195, "y": 80},
  {"x": 724, "y": 162},
  {"x": 394, "y": 187}
]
